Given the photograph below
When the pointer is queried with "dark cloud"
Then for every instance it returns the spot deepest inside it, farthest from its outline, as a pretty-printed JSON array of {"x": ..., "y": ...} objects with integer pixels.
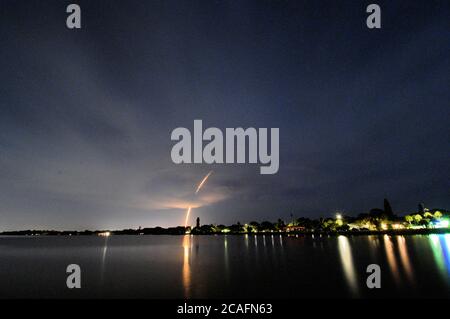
[{"x": 86, "y": 115}]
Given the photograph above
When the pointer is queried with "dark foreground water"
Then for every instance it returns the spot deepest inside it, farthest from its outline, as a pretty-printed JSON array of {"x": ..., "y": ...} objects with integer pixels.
[{"x": 225, "y": 266}]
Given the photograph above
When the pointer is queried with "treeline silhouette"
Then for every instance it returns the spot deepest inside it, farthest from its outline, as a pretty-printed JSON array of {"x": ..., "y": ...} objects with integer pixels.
[{"x": 377, "y": 220}]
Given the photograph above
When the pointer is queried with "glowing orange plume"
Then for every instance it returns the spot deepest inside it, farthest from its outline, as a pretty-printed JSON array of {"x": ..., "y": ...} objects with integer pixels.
[{"x": 203, "y": 182}]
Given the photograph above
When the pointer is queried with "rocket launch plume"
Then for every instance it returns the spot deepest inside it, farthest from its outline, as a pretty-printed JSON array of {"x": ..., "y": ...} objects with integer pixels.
[
  {"x": 199, "y": 187},
  {"x": 187, "y": 217},
  {"x": 203, "y": 182}
]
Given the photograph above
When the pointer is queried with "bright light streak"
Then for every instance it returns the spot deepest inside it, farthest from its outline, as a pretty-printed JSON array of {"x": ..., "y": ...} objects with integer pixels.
[
  {"x": 196, "y": 191},
  {"x": 404, "y": 258},
  {"x": 186, "y": 266},
  {"x": 345, "y": 253},
  {"x": 392, "y": 261},
  {"x": 187, "y": 217},
  {"x": 199, "y": 187},
  {"x": 105, "y": 234},
  {"x": 203, "y": 182},
  {"x": 442, "y": 224}
]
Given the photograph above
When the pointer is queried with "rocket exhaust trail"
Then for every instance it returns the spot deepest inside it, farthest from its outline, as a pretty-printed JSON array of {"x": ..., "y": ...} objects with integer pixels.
[
  {"x": 187, "y": 217},
  {"x": 199, "y": 187},
  {"x": 203, "y": 182}
]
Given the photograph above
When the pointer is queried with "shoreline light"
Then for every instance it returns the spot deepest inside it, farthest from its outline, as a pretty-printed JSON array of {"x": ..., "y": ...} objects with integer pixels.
[{"x": 104, "y": 234}]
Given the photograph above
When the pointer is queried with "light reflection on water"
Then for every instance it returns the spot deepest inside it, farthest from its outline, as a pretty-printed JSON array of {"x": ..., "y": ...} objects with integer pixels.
[
  {"x": 186, "y": 275},
  {"x": 445, "y": 242},
  {"x": 226, "y": 266},
  {"x": 391, "y": 258},
  {"x": 393, "y": 250},
  {"x": 102, "y": 267},
  {"x": 345, "y": 253},
  {"x": 440, "y": 245},
  {"x": 398, "y": 259},
  {"x": 404, "y": 258},
  {"x": 226, "y": 258}
]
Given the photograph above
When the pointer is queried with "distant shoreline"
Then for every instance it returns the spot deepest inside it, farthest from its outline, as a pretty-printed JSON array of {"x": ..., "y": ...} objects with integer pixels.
[{"x": 33, "y": 233}]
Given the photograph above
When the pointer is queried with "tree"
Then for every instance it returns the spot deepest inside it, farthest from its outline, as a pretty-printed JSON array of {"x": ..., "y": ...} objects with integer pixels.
[
  {"x": 305, "y": 222},
  {"x": 198, "y": 222},
  {"x": 328, "y": 224},
  {"x": 417, "y": 218},
  {"x": 237, "y": 228},
  {"x": 255, "y": 226},
  {"x": 388, "y": 209},
  {"x": 376, "y": 213},
  {"x": 438, "y": 215},
  {"x": 421, "y": 208},
  {"x": 428, "y": 215},
  {"x": 280, "y": 225},
  {"x": 266, "y": 226},
  {"x": 425, "y": 222},
  {"x": 409, "y": 219}
]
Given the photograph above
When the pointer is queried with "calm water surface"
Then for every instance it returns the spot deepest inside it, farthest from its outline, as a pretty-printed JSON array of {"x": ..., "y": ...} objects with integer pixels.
[{"x": 225, "y": 266}]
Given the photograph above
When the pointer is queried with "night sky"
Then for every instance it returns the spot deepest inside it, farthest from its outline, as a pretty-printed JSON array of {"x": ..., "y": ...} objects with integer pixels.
[{"x": 86, "y": 115}]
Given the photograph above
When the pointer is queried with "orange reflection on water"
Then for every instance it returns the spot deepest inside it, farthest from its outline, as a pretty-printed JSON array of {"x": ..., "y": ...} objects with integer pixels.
[
  {"x": 392, "y": 261},
  {"x": 404, "y": 258},
  {"x": 345, "y": 254},
  {"x": 186, "y": 265}
]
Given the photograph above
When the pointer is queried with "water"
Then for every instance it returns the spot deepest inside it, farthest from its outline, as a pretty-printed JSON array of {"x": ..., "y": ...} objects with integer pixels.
[{"x": 225, "y": 266}]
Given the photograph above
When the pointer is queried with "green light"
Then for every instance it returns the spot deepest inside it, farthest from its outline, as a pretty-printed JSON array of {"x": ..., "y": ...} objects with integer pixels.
[{"x": 436, "y": 248}]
